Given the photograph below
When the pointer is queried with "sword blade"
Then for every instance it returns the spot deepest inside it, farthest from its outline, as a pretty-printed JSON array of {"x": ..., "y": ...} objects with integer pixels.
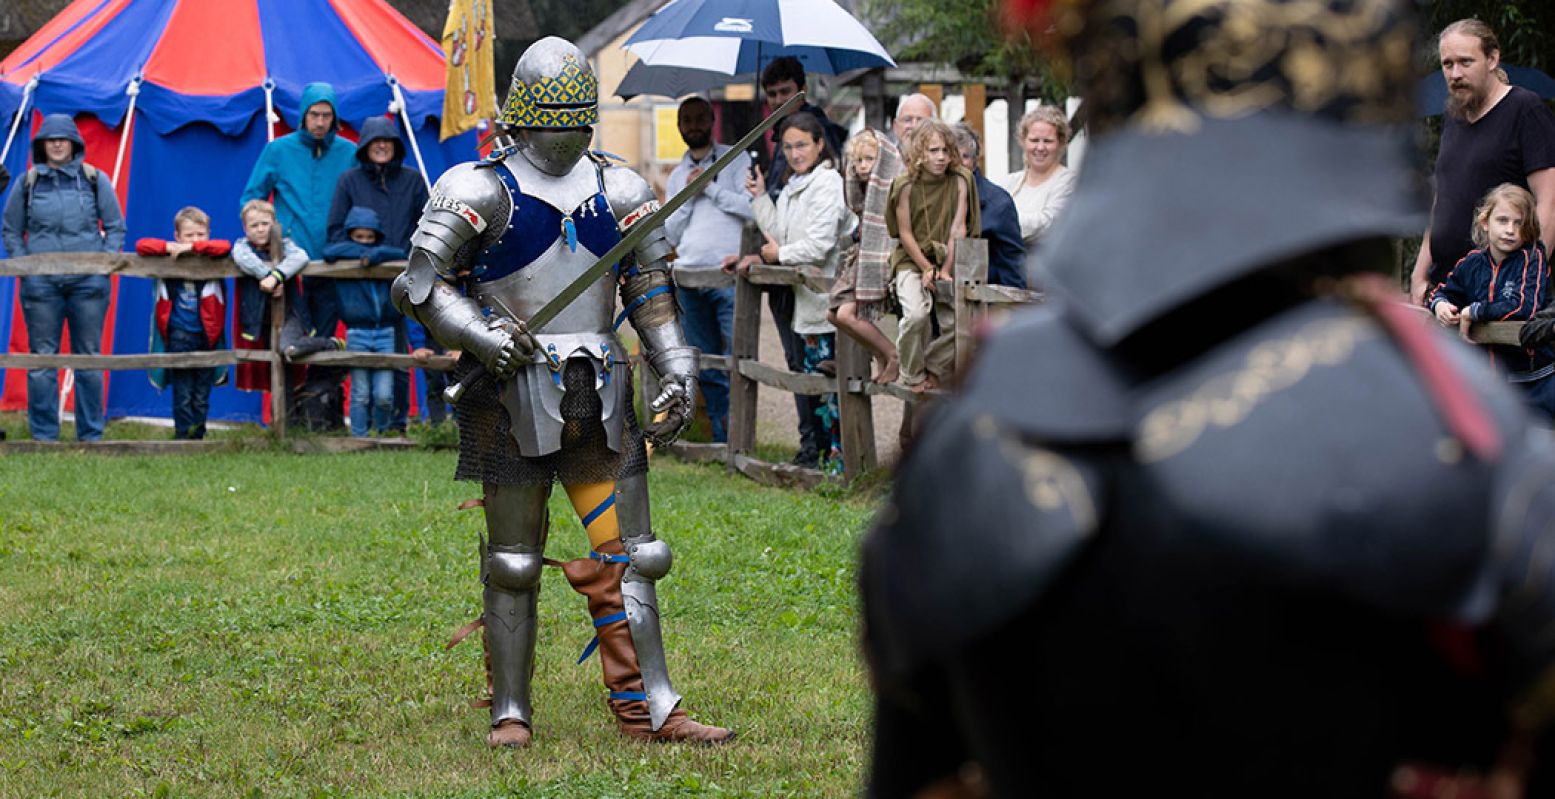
[{"x": 640, "y": 230}]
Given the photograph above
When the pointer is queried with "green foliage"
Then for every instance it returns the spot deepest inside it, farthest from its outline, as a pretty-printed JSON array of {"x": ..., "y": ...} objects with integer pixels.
[
  {"x": 965, "y": 33},
  {"x": 263, "y": 624},
  {"x": 1522, "y": 26}
]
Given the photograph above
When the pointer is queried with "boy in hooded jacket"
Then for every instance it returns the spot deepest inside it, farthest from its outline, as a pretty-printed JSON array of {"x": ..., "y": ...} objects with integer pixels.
[
  {"x": 371, "y": 319},
  {"x": 380, "y": 180}
]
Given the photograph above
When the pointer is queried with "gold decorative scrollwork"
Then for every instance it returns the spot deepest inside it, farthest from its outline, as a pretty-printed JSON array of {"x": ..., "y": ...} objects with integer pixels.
[
  {"x": 1168, "y": 64},
  {"x": 1226, "y": 400},
  {"x": 1051, "y": 482}
]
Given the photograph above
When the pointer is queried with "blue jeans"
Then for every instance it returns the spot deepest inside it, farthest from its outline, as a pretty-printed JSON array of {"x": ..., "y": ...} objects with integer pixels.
[
  {"x": 48, "y": 303},
  {"x": 374, "y": 387},
  {"x": 707, "y": 316},
  {"x": 191, "y": 387}
]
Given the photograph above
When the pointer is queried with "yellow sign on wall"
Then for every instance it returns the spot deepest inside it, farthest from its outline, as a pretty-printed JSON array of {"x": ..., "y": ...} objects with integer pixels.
[{"x": 668, "y": 147}]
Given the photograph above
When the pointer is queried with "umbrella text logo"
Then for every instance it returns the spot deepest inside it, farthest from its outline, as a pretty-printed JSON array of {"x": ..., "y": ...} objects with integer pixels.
[{"x": 735, "y": 25}]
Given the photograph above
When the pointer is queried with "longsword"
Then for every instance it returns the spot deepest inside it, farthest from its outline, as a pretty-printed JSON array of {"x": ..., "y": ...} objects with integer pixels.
[{"x": 525, "y": 329}]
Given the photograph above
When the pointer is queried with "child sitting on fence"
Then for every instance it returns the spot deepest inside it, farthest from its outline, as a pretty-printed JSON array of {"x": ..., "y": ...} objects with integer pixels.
[
  {"x": 1505, "y": 279},
  {"x": 370, "y": 317},
  {"x": 188, "y": 316},
  {"x": 861, "y": 153},
  {"x": 929, "y": 209}
]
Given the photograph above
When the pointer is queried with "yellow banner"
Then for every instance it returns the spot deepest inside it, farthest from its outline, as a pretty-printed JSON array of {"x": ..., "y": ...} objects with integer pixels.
[{"x": 469, "y": 94}]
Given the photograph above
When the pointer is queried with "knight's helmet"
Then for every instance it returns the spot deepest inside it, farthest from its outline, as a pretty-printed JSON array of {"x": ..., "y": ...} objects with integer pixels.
[
  {"x": 552, "y": 104},
  {"x": 1227, "y": 135}
]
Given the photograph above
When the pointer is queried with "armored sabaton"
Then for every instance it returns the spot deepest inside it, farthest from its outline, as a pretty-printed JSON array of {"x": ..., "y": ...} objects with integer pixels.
[{"x": 496, "y": 241}]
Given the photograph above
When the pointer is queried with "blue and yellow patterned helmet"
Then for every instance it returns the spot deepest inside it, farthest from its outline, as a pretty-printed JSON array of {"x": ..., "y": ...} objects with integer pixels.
[{"x": 553, "y": 87}]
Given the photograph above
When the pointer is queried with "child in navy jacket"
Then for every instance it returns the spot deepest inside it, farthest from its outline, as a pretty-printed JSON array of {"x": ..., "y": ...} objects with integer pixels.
[
  {"x": 370, "y": 317},
  {"x": 1504, "y": 280}
]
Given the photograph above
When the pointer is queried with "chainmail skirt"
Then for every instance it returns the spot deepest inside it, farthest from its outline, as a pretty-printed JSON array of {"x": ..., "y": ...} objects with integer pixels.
[{"x": 488, "y": 453}]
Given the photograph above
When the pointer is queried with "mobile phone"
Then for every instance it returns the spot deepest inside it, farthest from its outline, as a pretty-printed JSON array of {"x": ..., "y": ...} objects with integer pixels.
[{"x": 755, "y": 156}]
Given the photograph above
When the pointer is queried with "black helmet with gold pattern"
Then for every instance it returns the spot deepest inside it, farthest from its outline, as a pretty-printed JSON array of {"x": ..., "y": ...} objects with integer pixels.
[{"x": 1229, "y": 135}]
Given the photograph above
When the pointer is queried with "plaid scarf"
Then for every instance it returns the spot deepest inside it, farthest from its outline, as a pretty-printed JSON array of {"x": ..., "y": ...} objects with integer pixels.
[{"x": 874, "y": 249}]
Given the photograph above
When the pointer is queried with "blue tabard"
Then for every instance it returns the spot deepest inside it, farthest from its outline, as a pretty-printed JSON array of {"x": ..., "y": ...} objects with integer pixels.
[{"x": 535, "y": 225}]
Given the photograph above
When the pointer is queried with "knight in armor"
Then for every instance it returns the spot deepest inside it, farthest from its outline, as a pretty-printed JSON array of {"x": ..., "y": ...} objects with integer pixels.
[
  {"x": 1223, "y": 512},
  {"x": 497, "y": 240}
]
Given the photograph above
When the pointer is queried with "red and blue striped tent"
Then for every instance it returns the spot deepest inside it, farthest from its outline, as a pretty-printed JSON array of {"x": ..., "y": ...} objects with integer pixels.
[{"x": 203, "y": 69}]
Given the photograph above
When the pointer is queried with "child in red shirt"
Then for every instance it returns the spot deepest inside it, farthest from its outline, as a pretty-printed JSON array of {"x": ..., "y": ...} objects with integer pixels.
[{"x": 188, "y": 316}]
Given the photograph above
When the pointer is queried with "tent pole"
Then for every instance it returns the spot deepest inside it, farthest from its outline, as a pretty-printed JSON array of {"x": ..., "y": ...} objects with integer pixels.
[
  {"x": 410, "y": 133},
  {"x": 269, "y": 87},
  {"x": 21, "y": 111},
  {"x": 128, "y": 128}
]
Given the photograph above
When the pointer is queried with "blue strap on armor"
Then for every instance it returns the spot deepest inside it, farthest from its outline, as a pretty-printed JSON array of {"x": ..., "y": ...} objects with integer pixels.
[
  {"x": 598, "y": 623},
  {"x": 641, "y": 696},
  {"x": 603, "y": 558},
  {"x": 570, "y": 228},
  {"x": 638, "y": 303}
]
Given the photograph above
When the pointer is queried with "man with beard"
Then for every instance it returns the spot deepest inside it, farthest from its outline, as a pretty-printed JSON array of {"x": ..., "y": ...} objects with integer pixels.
[
  {"x": 1492, "y": 133},
  {"x": 704, "y": 232}
]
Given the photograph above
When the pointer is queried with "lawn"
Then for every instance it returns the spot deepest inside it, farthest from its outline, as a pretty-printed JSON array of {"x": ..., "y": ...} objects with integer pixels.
[{"x": 256, "y": 623}]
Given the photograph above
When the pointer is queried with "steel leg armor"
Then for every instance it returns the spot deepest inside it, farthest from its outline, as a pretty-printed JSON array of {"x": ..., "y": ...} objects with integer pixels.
[
  {"x": 510, "y": 568},
  {"x": 648, "y": 560}
]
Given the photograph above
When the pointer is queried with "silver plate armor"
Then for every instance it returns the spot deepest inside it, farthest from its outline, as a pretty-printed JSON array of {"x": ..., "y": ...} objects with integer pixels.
[
  {"x": 649, "y": 559},
  {"x": 510, "y": 569}
]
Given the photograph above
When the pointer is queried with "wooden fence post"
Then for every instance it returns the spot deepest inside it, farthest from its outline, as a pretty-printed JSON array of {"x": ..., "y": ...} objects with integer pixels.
[
  {"x": 279, "y": 384},
  {"x": 745, "y": 345},
  {"x": 970, "y": 272},
  {"x": 855, "y": 408}
]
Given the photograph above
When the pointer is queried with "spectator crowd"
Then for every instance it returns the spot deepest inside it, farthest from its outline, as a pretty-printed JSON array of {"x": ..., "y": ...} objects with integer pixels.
[
  {"x": 311, "y": 195},
  {"x": 877, "y": 217}
]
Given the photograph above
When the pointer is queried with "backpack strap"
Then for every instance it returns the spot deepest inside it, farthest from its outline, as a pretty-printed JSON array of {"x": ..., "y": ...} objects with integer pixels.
[{"x": 87, "y": 171}]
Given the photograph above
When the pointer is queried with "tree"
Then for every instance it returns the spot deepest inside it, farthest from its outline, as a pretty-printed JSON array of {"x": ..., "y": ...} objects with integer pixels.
[
  {"x": 1522, "y": 26},
  {"x": 968, "y": 34},
  {"x": 965, "y": 33}
]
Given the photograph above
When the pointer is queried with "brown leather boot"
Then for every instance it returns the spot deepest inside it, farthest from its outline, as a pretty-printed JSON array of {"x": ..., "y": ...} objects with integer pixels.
[
  {"x": 510, "y": 733},
  {"x": 600, "y": 582}
]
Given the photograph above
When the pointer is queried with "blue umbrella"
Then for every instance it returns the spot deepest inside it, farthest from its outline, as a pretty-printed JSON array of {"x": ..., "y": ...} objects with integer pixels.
[
  {"x": 672, "y": 82},
  {"x": 1431, "y": 92},
  {"x": 742, "y": 36}
]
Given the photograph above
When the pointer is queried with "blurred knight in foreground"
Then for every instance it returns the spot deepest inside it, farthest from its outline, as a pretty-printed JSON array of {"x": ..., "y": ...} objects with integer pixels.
[
  {"x": 497, "y": 241},
  {"x": 1250, "y": 527}
]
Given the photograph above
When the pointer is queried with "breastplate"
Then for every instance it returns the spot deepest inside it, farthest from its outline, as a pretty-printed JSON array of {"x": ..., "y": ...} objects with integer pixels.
[{"x": 558, "y": 229}]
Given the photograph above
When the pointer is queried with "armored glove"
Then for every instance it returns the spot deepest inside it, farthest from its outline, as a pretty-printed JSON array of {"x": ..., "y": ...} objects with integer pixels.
[
  {"x": 498, "y": 343},
  {"x": 678, "y": 401}
]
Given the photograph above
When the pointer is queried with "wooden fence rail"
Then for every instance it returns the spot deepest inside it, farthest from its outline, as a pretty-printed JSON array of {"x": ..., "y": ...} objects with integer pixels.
[
  {"x": 969, "y": 294},
  {"x": 202, "y": 268}
]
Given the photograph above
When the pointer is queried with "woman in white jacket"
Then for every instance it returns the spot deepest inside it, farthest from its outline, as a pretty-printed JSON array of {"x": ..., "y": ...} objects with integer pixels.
[{"x": 804, "y": 229}]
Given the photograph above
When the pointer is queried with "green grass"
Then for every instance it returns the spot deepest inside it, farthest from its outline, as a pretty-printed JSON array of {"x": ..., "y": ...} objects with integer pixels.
[{"x": 261, "y": 624}]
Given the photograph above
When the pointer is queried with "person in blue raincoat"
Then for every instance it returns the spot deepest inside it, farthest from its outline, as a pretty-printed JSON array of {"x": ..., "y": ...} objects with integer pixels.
[
  {"x": 301, "y": 169},
  {"x": 63, "y": 205},
  {"x": 298, "y": 173}
]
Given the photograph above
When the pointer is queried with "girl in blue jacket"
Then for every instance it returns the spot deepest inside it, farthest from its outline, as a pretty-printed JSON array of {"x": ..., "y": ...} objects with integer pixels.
[{"x": 1504, "y": 280}]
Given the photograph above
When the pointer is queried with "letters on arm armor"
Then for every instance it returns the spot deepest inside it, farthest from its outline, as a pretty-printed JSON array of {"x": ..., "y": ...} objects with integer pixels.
[
  {"x": 647, "y": 289},
  {"x": 467, "y": 206}
]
